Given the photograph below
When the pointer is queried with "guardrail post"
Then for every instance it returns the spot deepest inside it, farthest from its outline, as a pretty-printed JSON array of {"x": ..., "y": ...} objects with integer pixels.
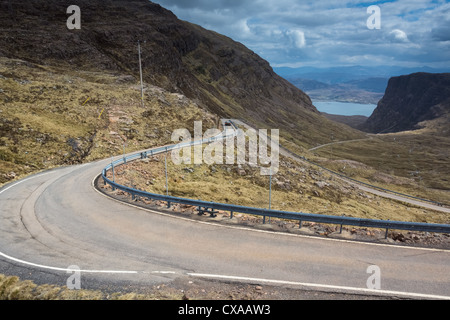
[
  {"x": 300, "y": 224},
  {"x": 231, "y": 214},
  {"x": 387, "y": 229},
  {"x": 133, "y": 196},
  {"x": 114, "y": 177},
  {"x": 340, "y": 230},
  {"x": 167, "y": 181}
]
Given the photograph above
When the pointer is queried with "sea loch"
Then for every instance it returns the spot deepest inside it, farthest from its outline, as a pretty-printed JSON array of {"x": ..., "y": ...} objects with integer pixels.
[{"x": 345, "y": 108}]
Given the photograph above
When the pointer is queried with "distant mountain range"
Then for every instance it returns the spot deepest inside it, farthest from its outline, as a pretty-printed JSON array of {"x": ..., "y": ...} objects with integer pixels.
[
  {"x": 358, "y": 84},
  {"x": 338, "y": 75}
]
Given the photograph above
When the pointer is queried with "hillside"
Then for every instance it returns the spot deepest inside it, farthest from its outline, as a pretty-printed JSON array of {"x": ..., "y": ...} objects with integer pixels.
[
  {"x": 221, "y": 75},
  {"x": 70, "y": 96},
  {"x": 49, "y": 118},
  {"x": 412, "y": 123},
  {"x": 351, "y": 121},
  {"x": 409, "y": 101}
]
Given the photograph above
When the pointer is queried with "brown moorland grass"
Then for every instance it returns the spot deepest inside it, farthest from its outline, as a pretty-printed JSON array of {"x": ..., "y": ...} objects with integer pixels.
[
  {"x": 49, "y": 119},
  {"x": 415, "y": 164}
]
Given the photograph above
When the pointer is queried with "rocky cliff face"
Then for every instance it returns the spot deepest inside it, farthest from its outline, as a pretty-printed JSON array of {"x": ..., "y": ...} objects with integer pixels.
[
  {"x": 410, "y": 100},
  {"x": 220, "y": 74}
]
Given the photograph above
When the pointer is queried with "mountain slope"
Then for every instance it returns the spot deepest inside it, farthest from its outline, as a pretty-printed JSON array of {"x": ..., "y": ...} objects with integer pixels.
[
  {"x": 410, "y": 100},
  {"x": 221, "y": 75}
]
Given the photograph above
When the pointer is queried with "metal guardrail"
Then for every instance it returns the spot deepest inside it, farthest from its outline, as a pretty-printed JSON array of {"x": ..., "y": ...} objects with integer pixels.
[{"x": 297, "y": 216}]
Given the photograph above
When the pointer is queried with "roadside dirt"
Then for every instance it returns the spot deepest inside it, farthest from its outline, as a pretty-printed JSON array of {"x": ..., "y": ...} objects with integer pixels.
[{"x": 185, "y": 288}]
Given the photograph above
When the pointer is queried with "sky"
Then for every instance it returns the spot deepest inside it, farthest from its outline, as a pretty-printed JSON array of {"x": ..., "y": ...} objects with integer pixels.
[{"x": 298, "y": 33}]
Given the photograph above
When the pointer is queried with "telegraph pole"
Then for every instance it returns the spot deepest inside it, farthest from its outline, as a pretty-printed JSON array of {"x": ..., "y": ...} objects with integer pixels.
[{"x": 140, "y": 71}]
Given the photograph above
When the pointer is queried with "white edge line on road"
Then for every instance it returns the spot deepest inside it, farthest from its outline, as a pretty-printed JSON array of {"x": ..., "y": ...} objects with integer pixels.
[
  {"x": 49, "y": 267},
  {"x": 67, "y": 270},
  {"x": 64, "y": 269},
  {"x": 321, "y": 286},
  {"x": 24, "y": 180},
  {"x": 37, "y": 175}
]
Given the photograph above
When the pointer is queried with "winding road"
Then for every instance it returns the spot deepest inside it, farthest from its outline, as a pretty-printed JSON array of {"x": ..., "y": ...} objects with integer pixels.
[
  {"x": 338, "y": 142},
  {"x": 57, "y": 219}
]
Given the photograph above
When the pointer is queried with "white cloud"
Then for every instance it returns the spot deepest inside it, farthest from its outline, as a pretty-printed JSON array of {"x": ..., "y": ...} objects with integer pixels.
[
  {"x": 297, "y": 38},
  {"x": 242, "y": 26},
  {"x": 398, "y": 35},
  {"x": 327, "y": 32}
]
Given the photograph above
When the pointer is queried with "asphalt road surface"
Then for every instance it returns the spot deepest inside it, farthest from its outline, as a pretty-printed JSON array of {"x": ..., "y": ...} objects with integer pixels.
[{"x": 56, "y": 219}]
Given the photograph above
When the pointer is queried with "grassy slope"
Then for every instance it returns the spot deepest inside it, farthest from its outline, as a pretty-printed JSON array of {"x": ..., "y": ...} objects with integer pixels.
[
  {"x": 12, "y": 288},
  {"x": 408, "y": 162},
  {"x": 50, "y": 119}
]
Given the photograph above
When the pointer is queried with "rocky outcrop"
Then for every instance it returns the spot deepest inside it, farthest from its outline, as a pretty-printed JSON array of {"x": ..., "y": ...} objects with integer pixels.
[{"x": 408, "y": 101}]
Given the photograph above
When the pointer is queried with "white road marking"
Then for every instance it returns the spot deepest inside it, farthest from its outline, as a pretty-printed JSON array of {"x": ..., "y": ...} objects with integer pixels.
[
  {"x": 63, "y": 269},
  {"x": 37, "y": 176},
  {"x": 322, "y": 286},
  {"x": 21, "y": 181},
  {"x": 49, "y": 267}
]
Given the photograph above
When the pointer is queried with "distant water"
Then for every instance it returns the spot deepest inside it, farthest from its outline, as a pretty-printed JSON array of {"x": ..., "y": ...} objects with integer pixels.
[{"x": 345, "y": 108}]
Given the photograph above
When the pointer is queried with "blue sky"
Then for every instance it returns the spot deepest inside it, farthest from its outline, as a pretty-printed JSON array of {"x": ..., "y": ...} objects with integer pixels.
[{"x": 296, "y": 33}]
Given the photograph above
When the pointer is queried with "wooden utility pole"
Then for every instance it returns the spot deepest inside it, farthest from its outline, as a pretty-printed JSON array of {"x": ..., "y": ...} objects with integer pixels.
[{"x": 140, "y": 71}]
